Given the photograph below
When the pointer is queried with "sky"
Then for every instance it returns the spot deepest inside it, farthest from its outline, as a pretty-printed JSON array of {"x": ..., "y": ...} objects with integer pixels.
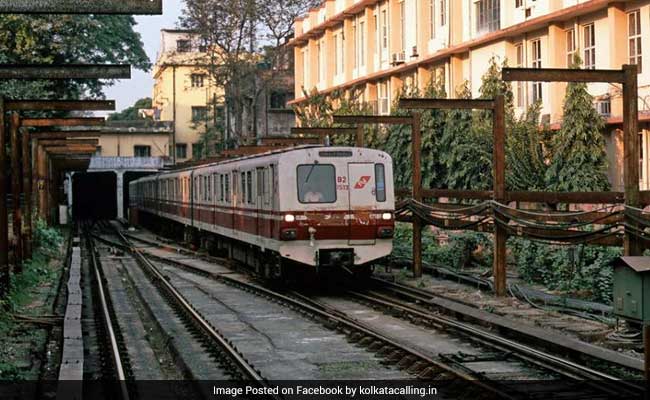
[{"x": 126, "y": 92}]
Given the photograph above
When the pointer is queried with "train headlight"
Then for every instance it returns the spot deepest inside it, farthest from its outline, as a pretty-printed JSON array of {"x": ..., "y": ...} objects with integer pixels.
[
  {"x": 289, "y": 218},
  {"x": 386, "y": 216}
]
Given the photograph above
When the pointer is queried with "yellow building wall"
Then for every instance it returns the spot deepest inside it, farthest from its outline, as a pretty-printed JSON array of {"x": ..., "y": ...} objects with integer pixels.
[
  {"x": 173, "y": 82},
  {"x": 122, "y": 145}
]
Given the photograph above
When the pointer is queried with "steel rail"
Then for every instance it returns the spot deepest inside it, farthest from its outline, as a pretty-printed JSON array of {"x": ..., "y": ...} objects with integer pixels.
[
  {"x": 575, "y": 368},
  {"x": 233, "y": 353},
  {"x": 317, "y": 310},
  {"x": 569, "y": 369},
  {"x": 115, "y": 351}
]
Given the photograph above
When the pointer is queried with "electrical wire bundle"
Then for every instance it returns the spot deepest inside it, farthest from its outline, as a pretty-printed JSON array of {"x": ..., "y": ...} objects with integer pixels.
[
  {"x": 560, "y": 227},
  {"x": 555, "y": 227}
]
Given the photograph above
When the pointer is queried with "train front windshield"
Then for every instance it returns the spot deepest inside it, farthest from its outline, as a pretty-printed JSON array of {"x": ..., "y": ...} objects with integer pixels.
[{"x": 316, "y": 183}]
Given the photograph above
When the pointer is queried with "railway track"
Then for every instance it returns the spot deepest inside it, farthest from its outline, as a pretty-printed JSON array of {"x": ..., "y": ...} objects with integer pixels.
[
  {"x": 221, "y": 348},
  {"x": 582, "y": 382},
  {"x": 115, "y": 347},
  {"x": 386, "y": 296}
]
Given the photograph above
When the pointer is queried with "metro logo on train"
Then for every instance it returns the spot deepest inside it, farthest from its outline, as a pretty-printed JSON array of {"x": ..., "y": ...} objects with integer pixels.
[{"x": 362, "y": 182}]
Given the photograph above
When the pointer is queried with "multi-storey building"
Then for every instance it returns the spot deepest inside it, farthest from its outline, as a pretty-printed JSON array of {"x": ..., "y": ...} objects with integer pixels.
[
  {"x": 184, "y": 91},
  {"x": 377, "y": 46}
]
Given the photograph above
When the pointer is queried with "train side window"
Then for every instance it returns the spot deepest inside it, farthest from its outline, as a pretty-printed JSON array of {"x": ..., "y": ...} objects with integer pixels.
[
  {"x": 242, "y": 191},
  {"x": 261, "y": 172},
  {"x": 209, "y": 180},
  {"x": 249, "y": 187},
  {"x": 227, "y": 187},
  {"x": 221, "y": 186},
  {"x": 380, "y": 178}
]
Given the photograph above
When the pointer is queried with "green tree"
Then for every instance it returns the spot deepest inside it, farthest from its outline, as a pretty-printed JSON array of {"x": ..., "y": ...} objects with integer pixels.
[
  {"x": 398, "y": 142},
  {"x": 131, "y": 113},
  {"x": 579, "y": 161},
  {"x": 67, "y": 39},
  {"x": 433, "y": 126},
  {"x": 456, "y": 144},
  {"x": 526, "y": 155}
]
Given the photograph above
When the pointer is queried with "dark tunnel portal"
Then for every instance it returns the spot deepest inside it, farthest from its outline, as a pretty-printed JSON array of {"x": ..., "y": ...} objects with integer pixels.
[{"x": 94, "y": 196}]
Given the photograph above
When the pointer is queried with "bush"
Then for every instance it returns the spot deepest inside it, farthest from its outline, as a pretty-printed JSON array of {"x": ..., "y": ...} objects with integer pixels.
[
  {"x": 464, "y": 249},
  {"x": 47, "y": 245},
  {"x": 583, "y": 270}
]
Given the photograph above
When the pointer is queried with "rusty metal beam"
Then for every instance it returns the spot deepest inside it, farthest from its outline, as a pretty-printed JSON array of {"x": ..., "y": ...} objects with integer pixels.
[
  {"x": 144, "y": 7},
  {"x": 60, "y": 105},
  {"x": 27, "y": 192},
  {"x": 446, "y": 104},
  {"x": 68, "y": 151},
  {"x": 64, "y": 135},
  {"x": 373, "y": 119},
  {"x": 72, "y": 71},
  {"x": 4, "y": 223},
  {"x": 323, "y": 131},
  {"x": 499, "y": 188},
  {"x": 416, "y": 150},
  {"x": 16, "y": 183},
  {"x": 51, "y": 122},
  {"x": 71, "y": 142},
  {"x": 562, "y": 75}
]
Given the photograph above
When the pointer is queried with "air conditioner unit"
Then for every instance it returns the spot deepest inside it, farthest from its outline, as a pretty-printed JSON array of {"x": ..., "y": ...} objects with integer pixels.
[
  {"x": 415, "y": 52},
  {"x": 399, "y": 58}
]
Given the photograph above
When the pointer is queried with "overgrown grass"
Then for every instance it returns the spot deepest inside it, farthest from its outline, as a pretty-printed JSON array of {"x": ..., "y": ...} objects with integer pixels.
[{"x": 47, "y": 245}]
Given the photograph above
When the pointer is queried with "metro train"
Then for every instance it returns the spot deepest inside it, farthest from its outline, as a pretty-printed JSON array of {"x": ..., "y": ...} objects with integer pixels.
[{"x": 313, "y": 207}]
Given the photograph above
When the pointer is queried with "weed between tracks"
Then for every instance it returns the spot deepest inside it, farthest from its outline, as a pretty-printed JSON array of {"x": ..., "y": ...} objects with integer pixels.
[{"x": 23, "y": 325}]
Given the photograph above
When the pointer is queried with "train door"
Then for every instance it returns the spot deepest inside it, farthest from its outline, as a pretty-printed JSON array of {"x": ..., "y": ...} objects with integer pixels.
[
  {"x": 259, "y": 202},
  {"x": 361, "y": 179}
]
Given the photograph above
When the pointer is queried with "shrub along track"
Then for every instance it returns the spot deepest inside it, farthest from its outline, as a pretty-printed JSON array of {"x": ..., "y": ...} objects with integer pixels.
[{"x": 489, "y": 348}]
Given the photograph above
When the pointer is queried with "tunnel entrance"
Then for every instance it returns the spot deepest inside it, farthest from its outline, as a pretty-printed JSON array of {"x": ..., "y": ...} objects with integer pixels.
[
  {"x": 94, "y": 195},
  {"x": 129, "y": 177}
]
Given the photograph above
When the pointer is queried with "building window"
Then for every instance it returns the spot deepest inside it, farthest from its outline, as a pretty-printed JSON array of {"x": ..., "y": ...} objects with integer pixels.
[
  {"x": 402, "y": 21},
  {"x": 339, "y": 44},
  {"x": 141, "y": 151},
  {"x": 376, "y": 19},
  {"x": 443, "y": 12},
  {"x": 488, "y": 16},
  {"x": 384, "y": 29},
  {"x": 634, "y": 39},
  {"x": 590, "y": 46},
  {"x": 319, "y": 69},
  {"x": 278, "y": 100},
  {"x": 537, "y": 63},
  {"x": 432, "y": 19},
  {"x": 362, "y": 43},
  {"x": 198, "y": 80},
  {"x": 305, "y": 67},
  {"x": 384, "y": 100},
  {"x": 520, "y": 85},
  {"x": 355, "y": 40},
  {"x": 181, "y": 150},
  {"x": 519, "y": 3},
  {"x": 199, "y": 114},
  {"x": 197, "y": 150},
  {"x": 183, "y": 46},
  {"x": 570, "y": 47}
]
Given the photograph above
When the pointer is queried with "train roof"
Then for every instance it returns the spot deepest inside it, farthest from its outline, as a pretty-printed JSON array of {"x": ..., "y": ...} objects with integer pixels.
[{"x": 254, "y": 156}]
